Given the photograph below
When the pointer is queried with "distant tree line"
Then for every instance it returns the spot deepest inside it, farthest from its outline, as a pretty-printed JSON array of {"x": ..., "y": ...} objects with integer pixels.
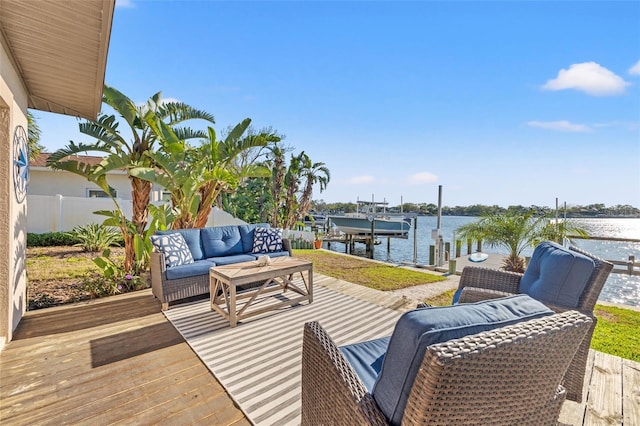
[{"x": 430, "y": 209}]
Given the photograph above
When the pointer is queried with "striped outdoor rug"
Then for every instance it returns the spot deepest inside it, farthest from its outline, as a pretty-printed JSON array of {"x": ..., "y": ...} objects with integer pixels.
[{"x": 259, "y": 361}]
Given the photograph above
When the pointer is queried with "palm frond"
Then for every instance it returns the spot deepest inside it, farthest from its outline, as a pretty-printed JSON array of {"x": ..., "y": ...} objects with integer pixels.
[
  {"x": 177, "y": 112},
  {"x": 74, "y": 149},
  {"x": 121, "y": 103}
]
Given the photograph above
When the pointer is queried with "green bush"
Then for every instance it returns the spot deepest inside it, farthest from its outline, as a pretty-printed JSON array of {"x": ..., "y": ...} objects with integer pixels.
[
  {"x": 94, "y": 237},
  {"x": 49, "y": 239}
]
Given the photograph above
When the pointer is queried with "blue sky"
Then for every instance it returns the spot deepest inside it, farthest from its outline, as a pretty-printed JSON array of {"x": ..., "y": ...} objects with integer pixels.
[{"x": 501, "y": 103}]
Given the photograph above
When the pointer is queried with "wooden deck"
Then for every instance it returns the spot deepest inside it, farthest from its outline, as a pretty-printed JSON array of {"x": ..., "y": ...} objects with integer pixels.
[{"x": 119, "y": 361}]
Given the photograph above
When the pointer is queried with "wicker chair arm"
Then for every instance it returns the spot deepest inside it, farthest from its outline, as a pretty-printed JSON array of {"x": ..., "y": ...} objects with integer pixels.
[
  {"x": 505, "y": 376},
  {"x": 286, "y": 246},
  {"x": 332, "y": 393},
  {"x": 157, "y": 268},
  {"x": 475, "y": 294},
  {"x": 491, "y": 279}
]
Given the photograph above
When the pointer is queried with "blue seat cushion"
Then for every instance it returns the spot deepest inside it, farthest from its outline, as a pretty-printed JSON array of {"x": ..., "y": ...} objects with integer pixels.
[
  {"x": 221, "y": 241},
  {"x": 418, "y": 329},
  {"x": 235, "y": 258},
  {"x": 247, "y": 233},
  {"x": 556, "y": 275},
  {"x": 192, "y": 238},
  {"x": 272, "y": 254},
  {"x": 366, "y": 359},
  {"x": 199, "y": 267}
]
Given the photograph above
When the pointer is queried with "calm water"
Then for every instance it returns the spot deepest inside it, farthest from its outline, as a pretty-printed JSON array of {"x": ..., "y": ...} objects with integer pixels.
[{"x": 619, "y": 288}]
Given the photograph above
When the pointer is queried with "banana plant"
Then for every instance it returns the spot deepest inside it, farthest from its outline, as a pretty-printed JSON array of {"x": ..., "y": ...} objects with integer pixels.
[{"x": 196, "y": 177}]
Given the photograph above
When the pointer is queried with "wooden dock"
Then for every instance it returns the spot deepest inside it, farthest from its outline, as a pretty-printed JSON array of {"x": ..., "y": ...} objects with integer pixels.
[{"x": 119, "y": 361}]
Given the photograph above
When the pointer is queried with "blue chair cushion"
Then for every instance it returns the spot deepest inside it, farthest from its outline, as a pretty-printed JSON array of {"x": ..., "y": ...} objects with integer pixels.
[
  {"x": 267, "y": 240},
  {"x": 175, "y": 249},
  {"x": 234, "y": 258},
  {"x": 247, "y": 233},
  {"x": 221, "y": 241},
  {"x": 192, "y": 238},
  {"x": 366, "y": 359},
  {"x": 415, "y": 330},
  {"x": 556, "y": 275},
  {"x": 197, "y": 268}
]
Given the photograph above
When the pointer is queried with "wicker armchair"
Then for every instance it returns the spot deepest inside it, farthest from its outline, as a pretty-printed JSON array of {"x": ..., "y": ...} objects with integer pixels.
[
  {"x": 510, "y": 375},
  {"x": 481, "y": 283}
]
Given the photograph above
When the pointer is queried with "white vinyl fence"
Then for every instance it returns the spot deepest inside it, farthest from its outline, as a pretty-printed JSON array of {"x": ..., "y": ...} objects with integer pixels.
[{"x": 56, "y": 213}]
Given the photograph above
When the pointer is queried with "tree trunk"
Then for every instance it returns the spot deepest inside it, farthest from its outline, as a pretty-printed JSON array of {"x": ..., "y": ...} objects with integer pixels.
[
  {"x": 140, "y": 194},
  {"x": 129, "y": 255},
  {"x": 208, "y": 194}
]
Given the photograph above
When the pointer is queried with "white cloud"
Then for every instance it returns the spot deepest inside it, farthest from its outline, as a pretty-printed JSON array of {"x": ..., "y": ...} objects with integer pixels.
[
  {"x": 635, "y": 70},
  {"x": 359, "y": 180},
  {"x": 588, "y": 77},
  {"x": 561, "y": 125},
  {"x": 125, "y": 4},
  {"x": 422, "y": 177}
]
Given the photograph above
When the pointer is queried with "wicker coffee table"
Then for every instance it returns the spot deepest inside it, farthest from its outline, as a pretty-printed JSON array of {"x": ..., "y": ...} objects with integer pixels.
[{"x": 224, "y": 282}]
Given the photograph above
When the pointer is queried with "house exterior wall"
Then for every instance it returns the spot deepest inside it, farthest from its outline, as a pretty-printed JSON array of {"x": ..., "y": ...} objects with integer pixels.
[
  {"x": 45, "y": 181},
  {"x": 13, "y": 214}
]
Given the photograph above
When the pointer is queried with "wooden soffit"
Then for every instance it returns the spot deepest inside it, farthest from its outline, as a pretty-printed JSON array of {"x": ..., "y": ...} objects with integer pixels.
[{"x": 59, "y": 47}]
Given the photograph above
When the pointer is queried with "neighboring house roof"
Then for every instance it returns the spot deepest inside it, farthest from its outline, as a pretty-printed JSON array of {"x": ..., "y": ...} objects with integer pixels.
[
  {"x": 60, "y": 49},
  {"x": 41, "y": 159}
]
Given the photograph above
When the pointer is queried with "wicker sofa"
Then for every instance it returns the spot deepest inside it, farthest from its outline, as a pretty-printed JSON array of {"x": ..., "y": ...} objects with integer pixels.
[
  {"x": 506, "y": 375},
  {"x": 483, "y": 283},
  {"x": 211, "y": 246}
]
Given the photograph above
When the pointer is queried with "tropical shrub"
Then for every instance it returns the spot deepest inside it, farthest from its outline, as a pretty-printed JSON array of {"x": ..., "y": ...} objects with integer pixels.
[
  {"x": 94, "y": 237},
  {"x": 113, "y": 279}
]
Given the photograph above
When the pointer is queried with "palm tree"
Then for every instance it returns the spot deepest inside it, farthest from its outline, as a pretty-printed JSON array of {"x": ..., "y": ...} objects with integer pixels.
[
  {"x": 127, "y": 155},
  {"x": 513, "y": 230},
  {"x": 278, "y": 171},
  {"x": 516, "y": 230},
  {"x": 312, "y": 173},
  {"x": 34, "y": 134}
]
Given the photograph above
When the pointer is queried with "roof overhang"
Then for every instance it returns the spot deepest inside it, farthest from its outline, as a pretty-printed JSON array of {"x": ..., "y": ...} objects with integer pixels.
[{"x": 60, "y": 50}]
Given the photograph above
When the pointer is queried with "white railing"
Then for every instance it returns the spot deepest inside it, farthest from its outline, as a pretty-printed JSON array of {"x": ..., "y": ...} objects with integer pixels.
[{"x": 58, "y": 213}]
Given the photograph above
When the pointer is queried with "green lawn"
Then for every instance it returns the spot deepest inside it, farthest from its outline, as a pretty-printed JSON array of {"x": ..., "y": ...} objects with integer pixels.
[{"x": 369, "y": 274}]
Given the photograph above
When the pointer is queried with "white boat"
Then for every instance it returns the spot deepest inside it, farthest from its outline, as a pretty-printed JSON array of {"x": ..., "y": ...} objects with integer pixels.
[{"x": 384, "y": 224}]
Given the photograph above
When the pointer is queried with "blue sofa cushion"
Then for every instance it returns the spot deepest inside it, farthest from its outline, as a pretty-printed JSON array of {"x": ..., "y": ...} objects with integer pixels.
[
  {"x": 192, "y": 237},
  {"x": 247, "y": 233},
  {"x": 266, "y": 240},
  {"x": 366, "y": 359},
  {"x": 234, "y": 258},
  {"x": 199, "y": 267},
  {"x": 556, "y": 275},
  {"x": 272, "y": 254},
  {"x": 415, "y": 330},
  {"x": 221, "y": 241},
  {"x": 175, "y": 249}
]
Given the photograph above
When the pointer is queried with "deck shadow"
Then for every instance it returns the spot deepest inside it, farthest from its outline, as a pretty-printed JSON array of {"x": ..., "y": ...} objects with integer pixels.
[
  {"x": 121, "y": 346},
  {"x": 85, "y": 315}
]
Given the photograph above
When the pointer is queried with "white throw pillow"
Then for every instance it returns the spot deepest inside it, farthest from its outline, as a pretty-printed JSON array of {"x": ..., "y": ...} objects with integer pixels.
[
  {"x": 267, "y": 240},
  {"x": 175, "y": 249}
]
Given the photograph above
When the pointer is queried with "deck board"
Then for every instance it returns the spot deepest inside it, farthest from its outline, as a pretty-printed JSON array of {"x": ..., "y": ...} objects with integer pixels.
[
  {"x": 109, "y": 361},
  {"x": 119, "y": 361}
]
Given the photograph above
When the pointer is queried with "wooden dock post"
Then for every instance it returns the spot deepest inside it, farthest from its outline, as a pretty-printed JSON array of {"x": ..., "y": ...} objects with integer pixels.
[
  {"x": 447, "y": 251},
  {"x": 458, "y": 248},
  {"x": 469, "y": 242},
  {"x": 432, "y": 254}
]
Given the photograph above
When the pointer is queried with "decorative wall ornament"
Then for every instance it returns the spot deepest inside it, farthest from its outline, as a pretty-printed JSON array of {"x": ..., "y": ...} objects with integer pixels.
[{"x": 20, "y": 163}]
